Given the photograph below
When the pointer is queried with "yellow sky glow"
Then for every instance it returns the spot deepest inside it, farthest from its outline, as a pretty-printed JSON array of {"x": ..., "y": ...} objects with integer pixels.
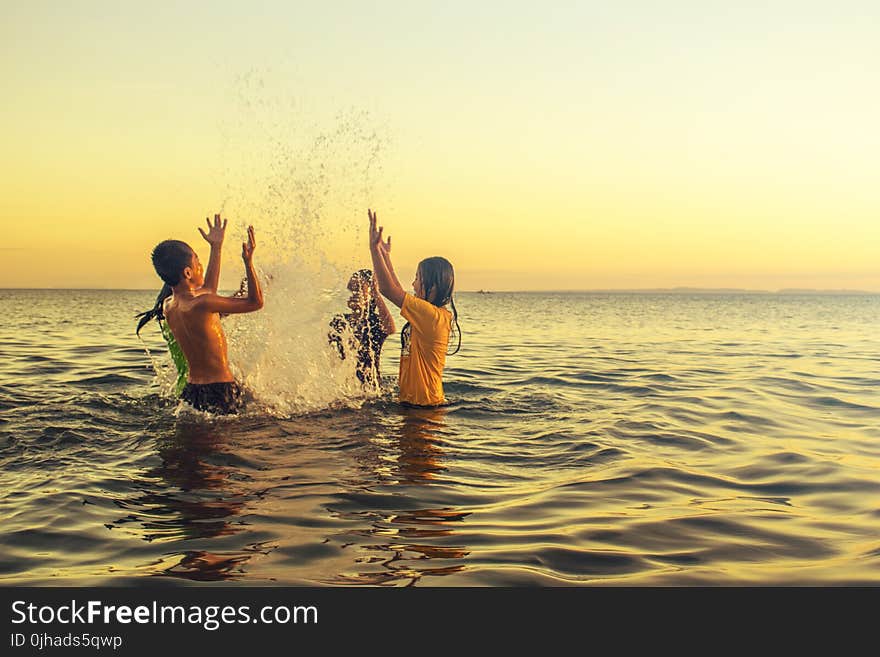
[{"x": 587, "y": 147}]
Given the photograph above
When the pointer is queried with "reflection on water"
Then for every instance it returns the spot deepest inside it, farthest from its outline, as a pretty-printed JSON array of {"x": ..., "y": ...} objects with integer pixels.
[
  {"x": 419, "y": 444},
  {"x": 193, "y": 495},
  {"x": 395, "y": 551}
]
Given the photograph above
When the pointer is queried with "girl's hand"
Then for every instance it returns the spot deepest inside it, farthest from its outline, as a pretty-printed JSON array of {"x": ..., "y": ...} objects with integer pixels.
[
  {"x": 376, "y": 235},
  {"x": 215, "y": 233},
  {"x": 247, "y": 248},
  {"x": 384, "y": 247}
]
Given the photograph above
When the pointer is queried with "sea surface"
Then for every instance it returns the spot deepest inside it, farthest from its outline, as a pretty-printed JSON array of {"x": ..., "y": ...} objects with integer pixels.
[{"x": 590, "y": 439}]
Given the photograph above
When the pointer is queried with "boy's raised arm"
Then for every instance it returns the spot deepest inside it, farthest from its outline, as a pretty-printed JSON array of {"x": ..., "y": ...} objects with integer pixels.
[
  {"x": 214, "y": 237},
  {"x": 254, "y": 299},
  {"x": 389, "y": 286},
  {"x": 255, "y": 292}
]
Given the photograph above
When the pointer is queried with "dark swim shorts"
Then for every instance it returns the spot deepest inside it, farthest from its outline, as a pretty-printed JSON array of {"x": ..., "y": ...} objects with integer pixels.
[{"x": 218, "y": 398}]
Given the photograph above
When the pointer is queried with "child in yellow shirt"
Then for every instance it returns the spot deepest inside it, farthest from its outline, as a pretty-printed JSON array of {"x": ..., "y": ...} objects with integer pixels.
[{"x": 425, "y": 337}]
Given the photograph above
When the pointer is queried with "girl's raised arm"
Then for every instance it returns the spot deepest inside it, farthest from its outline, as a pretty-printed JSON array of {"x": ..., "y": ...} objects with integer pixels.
[
  {"x": 389, "y": 286},
  {"x": 386, "y": 321}
]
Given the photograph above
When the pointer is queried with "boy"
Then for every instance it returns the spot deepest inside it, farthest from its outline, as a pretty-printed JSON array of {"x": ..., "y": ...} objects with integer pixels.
[{"x": 191, "y": 306}]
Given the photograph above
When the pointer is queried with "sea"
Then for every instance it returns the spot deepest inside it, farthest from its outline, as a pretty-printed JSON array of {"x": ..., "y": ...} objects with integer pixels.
[{"x": 590, "y": 439}]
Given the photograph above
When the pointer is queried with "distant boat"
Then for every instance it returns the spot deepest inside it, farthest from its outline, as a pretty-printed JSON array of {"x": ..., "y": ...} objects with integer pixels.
[{"x": 483, "y": 292}]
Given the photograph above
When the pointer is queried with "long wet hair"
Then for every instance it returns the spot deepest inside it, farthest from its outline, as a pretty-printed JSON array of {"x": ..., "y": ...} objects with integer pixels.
[
  {"x": 438, "y": 281},
  {"x": 169, "y": 258}
]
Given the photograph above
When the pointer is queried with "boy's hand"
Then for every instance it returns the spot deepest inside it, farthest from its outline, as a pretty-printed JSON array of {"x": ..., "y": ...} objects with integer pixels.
[
  {"x": 215, "y": 233},
  {"x": 247, "y": 248}
]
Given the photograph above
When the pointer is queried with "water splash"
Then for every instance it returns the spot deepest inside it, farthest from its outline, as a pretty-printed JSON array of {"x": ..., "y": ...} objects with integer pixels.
[
  {"x": 304, "y": 185},
  {"x": 164, "y": 368}
]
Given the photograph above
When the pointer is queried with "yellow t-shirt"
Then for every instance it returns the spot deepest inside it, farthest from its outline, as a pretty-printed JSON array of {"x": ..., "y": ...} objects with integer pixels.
[{"x": 422, "y": 360}]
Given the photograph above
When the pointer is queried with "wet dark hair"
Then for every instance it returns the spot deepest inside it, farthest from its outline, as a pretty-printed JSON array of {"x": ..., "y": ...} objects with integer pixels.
[
  {"x": 156, "y": 311},
  {"x": 169, "y": 258},
  {"x": 438, "y": 281}
]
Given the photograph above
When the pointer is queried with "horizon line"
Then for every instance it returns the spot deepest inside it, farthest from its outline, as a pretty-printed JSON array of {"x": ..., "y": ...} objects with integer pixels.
[{"x": 657, "y": 290}]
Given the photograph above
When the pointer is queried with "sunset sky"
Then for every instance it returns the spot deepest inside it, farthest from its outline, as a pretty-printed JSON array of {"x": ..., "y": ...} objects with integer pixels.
[{"x": 569, "y": 145}]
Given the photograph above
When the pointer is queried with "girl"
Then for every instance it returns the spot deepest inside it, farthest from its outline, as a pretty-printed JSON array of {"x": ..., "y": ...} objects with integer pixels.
[
  {"x": 370, "y": 323},
  {"x": 425, "y": 336}
]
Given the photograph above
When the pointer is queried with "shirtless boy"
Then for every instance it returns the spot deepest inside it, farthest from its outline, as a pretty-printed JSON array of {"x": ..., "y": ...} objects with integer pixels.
[{"x": 191, "y": 306}]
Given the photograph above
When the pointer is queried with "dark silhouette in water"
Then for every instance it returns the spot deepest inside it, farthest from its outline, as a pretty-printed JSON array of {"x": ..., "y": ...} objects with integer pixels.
[{"x": 369, "y": 323}]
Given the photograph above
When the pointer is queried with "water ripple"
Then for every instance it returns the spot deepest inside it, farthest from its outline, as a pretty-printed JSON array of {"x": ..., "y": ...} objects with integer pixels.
[{"x": 635, "y": 439}]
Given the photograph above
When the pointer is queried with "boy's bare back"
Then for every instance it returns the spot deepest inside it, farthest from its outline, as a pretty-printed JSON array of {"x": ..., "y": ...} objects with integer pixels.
[{"x": 201, "y": 338}]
